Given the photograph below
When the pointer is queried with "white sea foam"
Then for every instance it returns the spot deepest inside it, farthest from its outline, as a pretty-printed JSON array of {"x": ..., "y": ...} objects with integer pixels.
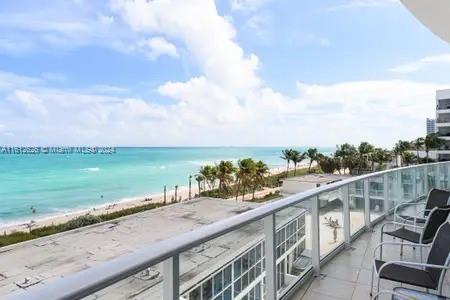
[{"x": 95, "y": 169}]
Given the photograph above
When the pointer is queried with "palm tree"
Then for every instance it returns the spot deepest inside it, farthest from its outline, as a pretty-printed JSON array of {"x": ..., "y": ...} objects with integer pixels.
[
  {"x": 261, "y": 170},
  {"x": 409, "y": 158},
  {"x": 432, "y": 141},
  {"x": 364, "y": 151},
  {"x": 286, "y": 154},
  {"x": 297, "y": 157},
  {"x": 312, "y": 154},
  {"x": 225, "y": 171},
  {"x": 244, "y": 174},
  {"x": 346, "y": 153},
  {"x": 380, "y": 156},
  {"x": 418, "y": 144},
  {"x": 199, "y": 178},
  {"x": 399, "y": 150},
  {"x": 209, "y": 174}
]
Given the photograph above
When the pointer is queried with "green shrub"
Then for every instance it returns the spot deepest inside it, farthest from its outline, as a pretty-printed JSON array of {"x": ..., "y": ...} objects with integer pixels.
[{"x": 82, "y": 221}]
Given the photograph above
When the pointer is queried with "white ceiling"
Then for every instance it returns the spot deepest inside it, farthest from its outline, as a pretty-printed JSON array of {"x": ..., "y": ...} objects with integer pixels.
[{"x": 434, "y": 14}]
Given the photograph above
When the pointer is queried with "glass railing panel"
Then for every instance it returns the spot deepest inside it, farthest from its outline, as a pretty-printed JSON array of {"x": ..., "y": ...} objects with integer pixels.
[
  {"x": 443, "y": 176},
  {"x": 293, "y": 245},
  {"x": 376, "y": 198},
  {"x": 331, "y": 221},
  {"x": 407, "y": 188},
  {"x": 147, "y": 284},
  {"x": 420, "y": 182},
  {"x": 431, "y": 177},
  {"x": 228, "y": 267},
  {"x": 356, "y": 206}
]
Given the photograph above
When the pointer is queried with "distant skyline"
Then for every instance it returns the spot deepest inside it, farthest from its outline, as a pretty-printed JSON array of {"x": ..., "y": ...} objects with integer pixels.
[{"x": 223, "y": 73}]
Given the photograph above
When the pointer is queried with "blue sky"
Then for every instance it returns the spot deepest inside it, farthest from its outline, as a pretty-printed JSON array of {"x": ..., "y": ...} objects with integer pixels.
[{"x": 229, "y": 72}]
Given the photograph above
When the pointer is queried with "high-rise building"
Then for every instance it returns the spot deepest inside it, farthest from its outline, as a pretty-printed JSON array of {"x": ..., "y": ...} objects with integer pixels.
[
  {"x": 431, "y": 125},
  {"x": 443, "y": 121}
]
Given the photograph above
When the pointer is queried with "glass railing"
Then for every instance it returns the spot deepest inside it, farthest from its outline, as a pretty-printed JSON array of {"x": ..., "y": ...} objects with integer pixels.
[{"x": 264, "y": 253}]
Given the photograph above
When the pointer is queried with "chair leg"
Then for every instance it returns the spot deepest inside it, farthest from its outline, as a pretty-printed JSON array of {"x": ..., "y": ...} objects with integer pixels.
[
  {"x": 381, "y": 247},
  {"x": 371, "y": 283},
  {"x": 401, "y": 249}
]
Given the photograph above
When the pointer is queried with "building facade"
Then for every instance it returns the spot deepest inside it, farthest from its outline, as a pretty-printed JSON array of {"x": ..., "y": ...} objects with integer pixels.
[
  {"x": 431, "y": 126},
  {"x": 244, "y": 276},
  {"x": 443, "y": 121}
]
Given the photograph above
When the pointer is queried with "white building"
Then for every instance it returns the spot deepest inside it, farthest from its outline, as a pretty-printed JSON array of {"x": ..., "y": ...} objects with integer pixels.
[
  {"x": 443, "y": 120},
  {"x": 431, "y": 125}
]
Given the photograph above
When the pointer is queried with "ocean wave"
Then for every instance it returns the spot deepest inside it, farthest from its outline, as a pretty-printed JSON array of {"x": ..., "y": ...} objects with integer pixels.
[{"x": 95, "y": 169}]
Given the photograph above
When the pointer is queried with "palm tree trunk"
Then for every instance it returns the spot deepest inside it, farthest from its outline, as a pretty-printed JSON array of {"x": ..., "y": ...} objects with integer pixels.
[
  {"x": 237, "y": 189},
  {"x": 295, "y": 169},
  {"x": 427, "y": 155},
  {"x": 243, "y": 192},
  {"x": 287, "y": 168},
  {"x": 199, "y": 188},
  {"x": 253, "y": 195},
  {"x": 309, "y": 168}
]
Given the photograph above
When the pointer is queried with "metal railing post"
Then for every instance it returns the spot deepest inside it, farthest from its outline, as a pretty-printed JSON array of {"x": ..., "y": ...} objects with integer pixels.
[
  {"x": 315, "y": 235},
  {"x": 415, "y": 184},
  {"x": 437, "y": 179},
  {"x": 425, "y": 180},
  {"x": 366, "y": 204},
  {"x": 387, "y": 205},
  {"x": 271, "y": 259},
  {"x": 171, "y": 278},
  {"x": 346, "y": 206},
  {"x": 399, "y": 187}
]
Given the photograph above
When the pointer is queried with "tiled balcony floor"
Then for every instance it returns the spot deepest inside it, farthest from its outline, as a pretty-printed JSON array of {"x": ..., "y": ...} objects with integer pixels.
[{"x": 347, "y": 276}]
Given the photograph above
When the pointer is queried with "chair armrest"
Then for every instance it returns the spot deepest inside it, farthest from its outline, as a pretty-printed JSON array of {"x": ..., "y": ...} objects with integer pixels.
[
  {"x": 400, "y": 224},
  {"x": 402, "y": 296},
  {"x": 410, "y": 263},
  {"x": 398, "y": 244}
]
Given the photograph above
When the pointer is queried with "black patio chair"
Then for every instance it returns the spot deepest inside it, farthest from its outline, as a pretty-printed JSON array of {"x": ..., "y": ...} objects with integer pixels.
[
  {"x": 436, "y": 217},
  {"x": 401, "y": 293},
  {"x": 429, "y": 275},
  {"x": 435, "y": 198}
]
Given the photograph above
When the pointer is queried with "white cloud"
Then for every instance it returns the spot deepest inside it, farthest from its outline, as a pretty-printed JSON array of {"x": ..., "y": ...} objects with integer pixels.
[
  {"x": 208, "y": 37},
  {"x": 29, "y": 103},
  {"x": 364, "y": 4},
  {"x": 156, "y": 46},
  {"x": 422, "y": 63},
  {"x": 227, "y": 103},
  {"x": 248, "y": 5}
]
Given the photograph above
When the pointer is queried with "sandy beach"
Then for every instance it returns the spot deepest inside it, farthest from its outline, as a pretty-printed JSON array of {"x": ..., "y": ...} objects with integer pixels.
[{"x": 182, "y": 195}]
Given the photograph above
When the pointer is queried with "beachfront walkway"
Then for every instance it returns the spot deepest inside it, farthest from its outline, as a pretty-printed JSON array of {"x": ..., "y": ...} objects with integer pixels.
[{"x": 347, "y": 276}]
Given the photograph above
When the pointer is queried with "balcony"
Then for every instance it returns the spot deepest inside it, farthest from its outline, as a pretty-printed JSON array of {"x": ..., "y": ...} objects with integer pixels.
[{"x": 312, "y": 245}]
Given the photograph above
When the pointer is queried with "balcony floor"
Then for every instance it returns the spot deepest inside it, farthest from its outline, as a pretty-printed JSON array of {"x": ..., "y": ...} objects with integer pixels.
[{"x": 347, "y": 276}]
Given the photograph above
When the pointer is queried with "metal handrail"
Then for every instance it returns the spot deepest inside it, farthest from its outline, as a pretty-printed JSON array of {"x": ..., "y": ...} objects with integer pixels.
[{"x": 89, "y": 281}]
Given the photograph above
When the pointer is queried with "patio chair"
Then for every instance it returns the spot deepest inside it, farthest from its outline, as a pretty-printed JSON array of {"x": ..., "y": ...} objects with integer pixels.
[
  {"x": 401, "y": 293},
  {"x": 429, "y": 275},
  {"x": 436, "y": 217},
  {"x": 435, "y": 198}
]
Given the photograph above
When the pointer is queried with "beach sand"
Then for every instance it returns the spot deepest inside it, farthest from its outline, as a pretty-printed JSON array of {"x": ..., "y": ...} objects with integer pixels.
[{"x": 182, "y": 193}]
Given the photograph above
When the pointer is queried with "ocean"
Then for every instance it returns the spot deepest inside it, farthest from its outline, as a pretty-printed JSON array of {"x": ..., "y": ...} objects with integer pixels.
[{"x": 55, "y": 184}]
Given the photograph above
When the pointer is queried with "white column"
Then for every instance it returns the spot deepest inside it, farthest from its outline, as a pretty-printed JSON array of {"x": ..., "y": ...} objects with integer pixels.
[
  {"x": 346, "y": 206},
  {"x": 171, "y": 278},
  {"x": 387, "y": 204},
  {"x": 366, "y": 204},
  {"x": 271, "y": 259},
  {"x": 315, "y": 235}
]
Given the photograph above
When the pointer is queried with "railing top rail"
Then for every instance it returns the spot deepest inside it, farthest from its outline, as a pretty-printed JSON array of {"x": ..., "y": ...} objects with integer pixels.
[{"x": 89, "y": 281}]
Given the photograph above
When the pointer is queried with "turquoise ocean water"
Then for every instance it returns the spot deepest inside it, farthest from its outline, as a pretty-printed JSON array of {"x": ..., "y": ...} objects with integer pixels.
[{"x": 60, "y": 183}]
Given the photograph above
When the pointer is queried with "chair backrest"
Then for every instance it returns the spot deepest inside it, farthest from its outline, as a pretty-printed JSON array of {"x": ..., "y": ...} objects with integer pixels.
[
  {"x": 435, "y": 219},
  {"x": 436, "y": 197},
  {"x": 439, "y": 252}
]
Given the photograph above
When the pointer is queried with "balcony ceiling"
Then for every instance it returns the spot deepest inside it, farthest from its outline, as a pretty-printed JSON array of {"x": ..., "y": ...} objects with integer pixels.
[{"x": 434, "y": 14}]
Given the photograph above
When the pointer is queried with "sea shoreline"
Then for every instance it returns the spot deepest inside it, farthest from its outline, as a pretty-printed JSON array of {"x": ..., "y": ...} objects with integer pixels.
[{"x": 113, "y": 206}]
